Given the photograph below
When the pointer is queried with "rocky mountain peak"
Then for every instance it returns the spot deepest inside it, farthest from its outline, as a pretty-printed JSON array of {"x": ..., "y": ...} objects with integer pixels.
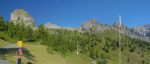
[
  {"x": 116, "y": 26},
  {"x": 91, "y": 22},
  {"x": 92, "y": 26},
  {"x": 51, "y": 25},
  {"x": 143, "y": 29},
  {"x": 21, "y": 16}
]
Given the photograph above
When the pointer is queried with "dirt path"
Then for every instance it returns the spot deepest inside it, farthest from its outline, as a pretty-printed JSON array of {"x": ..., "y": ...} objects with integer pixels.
[
  {"x": 10, "y": 45},
  {"x": 4, "y": 62}
]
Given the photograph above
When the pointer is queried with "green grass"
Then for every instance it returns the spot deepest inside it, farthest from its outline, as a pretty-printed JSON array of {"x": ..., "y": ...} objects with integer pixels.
[
  {"x": 41, "y": 56},
  {"x": 3, "y": 43},
  {"x": 78, "y": 59}
]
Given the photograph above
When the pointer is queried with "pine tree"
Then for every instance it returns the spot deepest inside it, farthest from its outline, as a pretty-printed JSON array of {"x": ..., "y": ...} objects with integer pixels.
[
  {"x": 29, "y": 34},
  {"x": 21, "y": 31},
  {"x": 41, "y": 34},
  {"x": 2, "y": 25},
  {"x": 11, "y": 29}
]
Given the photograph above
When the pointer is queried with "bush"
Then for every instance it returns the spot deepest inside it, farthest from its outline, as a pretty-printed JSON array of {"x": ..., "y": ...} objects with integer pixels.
[{"x": 4, "y": 36}]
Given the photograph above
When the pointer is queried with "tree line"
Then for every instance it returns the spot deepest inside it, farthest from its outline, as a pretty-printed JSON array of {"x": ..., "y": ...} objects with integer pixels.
[{"x": 96, "y": 45}]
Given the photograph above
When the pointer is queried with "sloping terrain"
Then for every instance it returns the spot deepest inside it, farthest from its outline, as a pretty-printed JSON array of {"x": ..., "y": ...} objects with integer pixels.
[{"x": 40, "y": 55}]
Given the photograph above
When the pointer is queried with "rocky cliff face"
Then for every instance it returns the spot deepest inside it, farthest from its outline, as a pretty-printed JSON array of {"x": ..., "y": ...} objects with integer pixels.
[
  {"x": 139, "y": 32},
  {"x": 144, "y": 29},
  {"x": 92, "y": 26},
  {"x": 21, "y": 16}
]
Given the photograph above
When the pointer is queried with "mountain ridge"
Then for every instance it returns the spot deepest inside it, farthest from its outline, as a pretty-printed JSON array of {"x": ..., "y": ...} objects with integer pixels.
[{"x": 21, "y": 16}]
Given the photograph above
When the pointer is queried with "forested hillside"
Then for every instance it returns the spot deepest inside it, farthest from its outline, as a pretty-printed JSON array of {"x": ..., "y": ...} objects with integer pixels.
[{"x": 101, "y": 46}]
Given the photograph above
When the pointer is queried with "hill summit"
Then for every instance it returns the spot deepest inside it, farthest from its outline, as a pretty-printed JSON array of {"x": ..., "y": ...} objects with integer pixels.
[
  {"x": 92, "y": 26},
  {"x": 21, "y": 16}
]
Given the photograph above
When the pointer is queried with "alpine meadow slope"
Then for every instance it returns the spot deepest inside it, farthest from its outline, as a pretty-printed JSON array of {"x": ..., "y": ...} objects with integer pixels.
[{"x": 94, "y": 42}]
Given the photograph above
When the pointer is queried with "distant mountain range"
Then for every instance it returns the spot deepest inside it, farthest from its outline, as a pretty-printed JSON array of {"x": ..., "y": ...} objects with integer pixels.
[
  {"x": 90, "y": 26},
  {"x": 140, "y": 32},
  {"x": 144, "y": 30}
]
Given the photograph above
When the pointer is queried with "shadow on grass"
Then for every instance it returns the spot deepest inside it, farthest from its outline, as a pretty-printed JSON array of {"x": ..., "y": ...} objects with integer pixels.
[
  {"x": 12, "y": 51},
  {"x": 28, "y": 55}
]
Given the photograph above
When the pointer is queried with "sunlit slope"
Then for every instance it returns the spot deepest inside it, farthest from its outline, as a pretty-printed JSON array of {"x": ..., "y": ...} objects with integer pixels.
[{"x": 41, "y": 56}]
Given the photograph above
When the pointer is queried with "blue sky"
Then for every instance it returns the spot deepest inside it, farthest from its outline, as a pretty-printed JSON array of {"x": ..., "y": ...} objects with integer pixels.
[{"x": 72, "y": 13}]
